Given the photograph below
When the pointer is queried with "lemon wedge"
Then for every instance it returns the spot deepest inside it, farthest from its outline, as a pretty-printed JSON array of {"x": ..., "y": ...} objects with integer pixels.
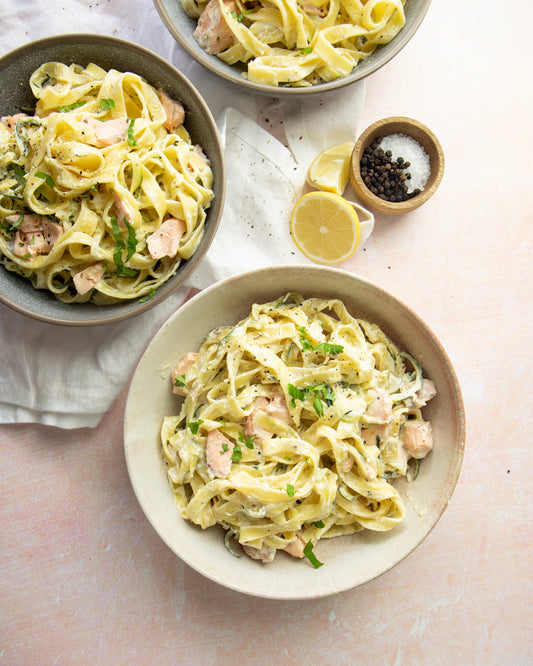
[
  {"x": 325, "y": 227},
  {"x": 330, "y": 169}
]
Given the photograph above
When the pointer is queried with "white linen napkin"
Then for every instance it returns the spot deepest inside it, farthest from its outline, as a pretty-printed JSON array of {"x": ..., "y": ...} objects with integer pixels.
[{"x": 69, "y": 377}]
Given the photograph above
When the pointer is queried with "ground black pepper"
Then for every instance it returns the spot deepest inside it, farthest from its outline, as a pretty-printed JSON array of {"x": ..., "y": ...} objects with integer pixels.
[{"x": 384, "y": 177}]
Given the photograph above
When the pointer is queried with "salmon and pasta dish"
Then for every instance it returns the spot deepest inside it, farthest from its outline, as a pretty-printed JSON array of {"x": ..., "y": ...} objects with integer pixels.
[
  {"x": 294, "y": 43},
  {"x": 102, "y": 194},
  {"x": 293, "y": 426}
]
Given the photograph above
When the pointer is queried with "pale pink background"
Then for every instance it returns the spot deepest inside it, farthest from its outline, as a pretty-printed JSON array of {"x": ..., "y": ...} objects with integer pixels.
[{"x": 85, "y": 580}]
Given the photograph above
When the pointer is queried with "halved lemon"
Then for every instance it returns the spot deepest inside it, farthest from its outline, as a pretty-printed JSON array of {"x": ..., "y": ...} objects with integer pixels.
[
  {"x": 330, "y": 169},
  {"x": 325, "y": 227}
]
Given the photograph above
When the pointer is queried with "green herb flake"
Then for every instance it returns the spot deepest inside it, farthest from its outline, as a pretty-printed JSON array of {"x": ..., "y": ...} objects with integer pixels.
[
  {"x": 46, "y": 177},
  {"x": 319, "y": 524},
  {"x": 194, "y": 426},
  {"x": 308, "y": 552},
  {"x": 131, "y": 138},
  {"x": 290, "y": 490},
  {"x": 70, "y": 107},
  {"x": 247, "y": 441},
  {"x": 107, "y": 103},
  {"x": 295, "y": 393},
  {"x": 148, "y": 297},
  {"x": 123, "y": 271},
  {"x": 27, "y": 256},
  {"x": 225, "y": 448},
  {"x": 306, "y": 50},
  {"x": 132, "y": 240},
  {"x": 237, "y": 453},
  {"x": 180, "y": 381},
  {"x": 318, "y": 407}
]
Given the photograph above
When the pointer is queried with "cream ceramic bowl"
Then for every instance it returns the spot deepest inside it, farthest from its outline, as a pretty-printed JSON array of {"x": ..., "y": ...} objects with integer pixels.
[
  {"x": 349, "y": 561},
  {"x": 107, "y": 52},
  {"x": 182, "y": 27}
]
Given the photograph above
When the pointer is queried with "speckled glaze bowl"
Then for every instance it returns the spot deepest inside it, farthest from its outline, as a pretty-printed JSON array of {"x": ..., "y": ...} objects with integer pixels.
[
  {"x": 182, "y": 27},
  {"x": 348, "y": 561},
  {"x": 107, "y": 52}
]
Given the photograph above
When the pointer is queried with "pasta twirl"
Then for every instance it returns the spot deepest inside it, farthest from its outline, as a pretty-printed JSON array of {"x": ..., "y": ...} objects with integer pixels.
[
  {"x": 295, "y": 43},
  {"x": 102, "y": 194},
  {"x": 294, "y": 422}
]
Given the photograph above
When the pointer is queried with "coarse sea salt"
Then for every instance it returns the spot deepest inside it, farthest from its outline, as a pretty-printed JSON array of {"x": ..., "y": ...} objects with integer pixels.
[{"x": 402, "y": 145}]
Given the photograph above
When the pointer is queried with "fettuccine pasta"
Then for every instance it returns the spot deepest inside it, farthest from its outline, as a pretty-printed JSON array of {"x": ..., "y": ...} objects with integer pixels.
[
  {"x": 102, "y": 194},
  {"x": 294, "y": 422},
  {"x": 295, "y": 42}
]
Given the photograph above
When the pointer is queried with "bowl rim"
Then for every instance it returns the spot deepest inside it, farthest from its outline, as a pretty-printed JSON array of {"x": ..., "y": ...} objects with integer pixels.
[
  {"x": 233, "y": 76},
  {"x": 147, "y": 505},
  {"x": 367, "y": 136},
  {"x": 167, "y": 288}
]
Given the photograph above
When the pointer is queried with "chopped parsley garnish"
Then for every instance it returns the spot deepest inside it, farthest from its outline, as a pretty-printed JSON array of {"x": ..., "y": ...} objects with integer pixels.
[
  {"x": 319, "y": 524},
  {"x": 308, "y": 552},
  {"x": 321, "y": 392},
  {"x": 240, "y": 17},
  {"x": 306, "y": 50},
  {"x": 180, "y": 381},
  {"x": 324, "y": 347},
  {"x": 194, "y": 426},
  {"x": 16, "y": 224},
  {"x": 122, "y": 270},
  {"x": 148, "y": 297},
  {"x": 290, "y": 490},
  {"x": 107, "y": 103},
  {"x": 247, "y": 441},
  {"x": 70, "y": 107},
  {"x": 237, "y": 453},
  {"x": 225, "y": 448},
  {"x": 131, "y": 138},
  {"x": 46, "y": 177}
]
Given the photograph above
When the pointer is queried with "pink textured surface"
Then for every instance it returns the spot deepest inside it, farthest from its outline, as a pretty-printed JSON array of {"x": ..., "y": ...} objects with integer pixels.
[{"x": 84, "y": 578}]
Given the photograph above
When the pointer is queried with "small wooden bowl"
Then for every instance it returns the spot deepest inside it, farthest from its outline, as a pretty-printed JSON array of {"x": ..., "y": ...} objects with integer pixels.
[{"x": 428, "y": 141}]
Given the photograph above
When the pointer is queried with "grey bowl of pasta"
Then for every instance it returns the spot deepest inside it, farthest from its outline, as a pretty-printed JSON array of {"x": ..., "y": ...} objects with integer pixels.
[
  {"x": 111, "y": 179},
  {"x": 294, "y": 431},
  {"x": 292, "y": 49}
]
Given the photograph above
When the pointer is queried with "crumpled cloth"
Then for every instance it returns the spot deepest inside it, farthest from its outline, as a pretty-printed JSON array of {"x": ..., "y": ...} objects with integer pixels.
[{"x": 69, "y": 376}]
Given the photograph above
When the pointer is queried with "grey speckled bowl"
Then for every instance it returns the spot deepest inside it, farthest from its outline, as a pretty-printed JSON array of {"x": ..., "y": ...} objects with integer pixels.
[
  {"x": 107, "y": 52},
  {"x": 182, "y": 26}
]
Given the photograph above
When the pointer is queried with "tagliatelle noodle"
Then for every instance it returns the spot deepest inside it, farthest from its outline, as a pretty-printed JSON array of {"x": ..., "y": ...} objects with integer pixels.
[
  {"x": 318, "y": 474},
  {"x": 156, "y": 173}
]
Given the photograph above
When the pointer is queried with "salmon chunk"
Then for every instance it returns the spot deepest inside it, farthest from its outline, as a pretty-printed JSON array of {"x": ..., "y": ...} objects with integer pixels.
[
  {"x": 381, "y": 406},
  {"x": 107, "y": 132},
  {"x": 174, "y": 111},
  {"x": 263, "y": 554},
  {"x": 11, "y": 121},
  {"x": 181, "y": 369},
  {"x": 296, "y": 547},
  {"x": 276, "y": 407},
  {"x": 124, "y": 209},
  {"x": 375, "y": 434},
  {"x": 165, "y": 241},
  {"x": 88, "y": 278},
  {"x": 212, "y": 32},
  {"x": 417, "y": 438},
  {"x": 426, "y": 393},
  {"x": 218, "y": 451},
  {"x": 35, "y": 235}
]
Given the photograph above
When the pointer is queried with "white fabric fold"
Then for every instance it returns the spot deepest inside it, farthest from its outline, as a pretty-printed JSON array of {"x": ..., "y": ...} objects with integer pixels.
[{"x": 69, "y": 377}]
